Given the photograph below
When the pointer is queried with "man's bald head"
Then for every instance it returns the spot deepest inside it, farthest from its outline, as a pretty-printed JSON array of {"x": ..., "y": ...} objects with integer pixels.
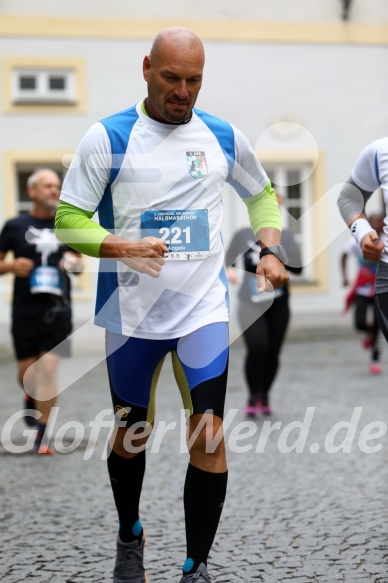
[
  {"x": 173, "y": 71},
  {"x": 176, "y": 38}
]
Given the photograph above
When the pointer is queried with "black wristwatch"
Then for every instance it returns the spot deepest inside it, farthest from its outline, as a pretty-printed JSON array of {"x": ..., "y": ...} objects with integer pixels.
[{"x": 277, "y": 250}]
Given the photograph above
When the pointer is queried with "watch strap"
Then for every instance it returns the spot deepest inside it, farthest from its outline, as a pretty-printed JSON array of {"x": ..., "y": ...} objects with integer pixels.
[{"x": 277, "y": 250}]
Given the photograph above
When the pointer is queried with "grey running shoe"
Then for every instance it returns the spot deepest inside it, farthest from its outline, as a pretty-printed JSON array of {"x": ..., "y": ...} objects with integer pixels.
[
  {"x": 129, "y": 566},
  {"x": 202, "y": 576}
]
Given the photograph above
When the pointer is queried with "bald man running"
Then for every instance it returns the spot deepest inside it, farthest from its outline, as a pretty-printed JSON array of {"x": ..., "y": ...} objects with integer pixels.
[{"x": 156, "y": 173}]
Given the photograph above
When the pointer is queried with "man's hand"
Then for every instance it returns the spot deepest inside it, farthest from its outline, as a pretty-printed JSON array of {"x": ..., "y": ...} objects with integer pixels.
[
  {"x": 231, "y": 275},
  {"x": 147, "y": 247},
  {"x": 22, "y": 266},
  {"x": 145, "y": 255},
  {"x": 370, "y": 247},
  {"x": 151, "y": 267},
  {"x": 72, "y": 263},
  {"x": 271, "y": 274}
]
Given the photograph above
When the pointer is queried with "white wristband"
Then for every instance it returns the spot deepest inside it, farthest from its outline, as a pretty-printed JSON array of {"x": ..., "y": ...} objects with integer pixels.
[{"x": 359, "y": 229}]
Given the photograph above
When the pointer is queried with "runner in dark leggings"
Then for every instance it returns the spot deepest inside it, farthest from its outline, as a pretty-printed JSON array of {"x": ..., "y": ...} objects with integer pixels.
[
  {"x": 263, "y": 339},
  {"x": 381, "y": 302},
  {"x": 263, "y": 318}
]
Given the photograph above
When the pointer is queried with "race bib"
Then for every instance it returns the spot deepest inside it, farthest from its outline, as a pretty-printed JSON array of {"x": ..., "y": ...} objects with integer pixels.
[
  {"x": 186, "y": 232},
  {"x": 46, "y": 280}
]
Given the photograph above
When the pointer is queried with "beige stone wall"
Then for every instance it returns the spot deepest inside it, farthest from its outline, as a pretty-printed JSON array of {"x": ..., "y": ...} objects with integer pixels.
[{"x": 317, "y": 11}]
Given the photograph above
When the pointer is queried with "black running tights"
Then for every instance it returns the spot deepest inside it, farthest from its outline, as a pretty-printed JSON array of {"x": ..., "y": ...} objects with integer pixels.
[
  {"x": 263, "y": 339},
  {"x": 381, "y": 303}
]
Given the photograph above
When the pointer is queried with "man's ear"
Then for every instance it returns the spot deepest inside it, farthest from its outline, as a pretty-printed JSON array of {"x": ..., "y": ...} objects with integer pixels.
[
  {"x": 31, "y": 192},
  {"x": 146, "y": 67}
]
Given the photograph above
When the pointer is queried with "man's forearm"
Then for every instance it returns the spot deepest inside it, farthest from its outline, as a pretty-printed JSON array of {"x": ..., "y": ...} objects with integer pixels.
[
  {"x": 6, "y": 267},
  {"x": 351, "y": 201},
  {"x": 263, "y": 210},
  {"x": 268, "y": 236},
  {"x": 74, "y": 227},
  {"x": 113, "y": 247}
]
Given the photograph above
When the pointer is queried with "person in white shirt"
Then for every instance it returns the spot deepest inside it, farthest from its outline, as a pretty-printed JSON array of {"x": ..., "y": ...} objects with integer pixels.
[
  {"x": 368, "y": 175},
  {"x": 156, "y": 173},
  {"x": 361, "y": 295}
]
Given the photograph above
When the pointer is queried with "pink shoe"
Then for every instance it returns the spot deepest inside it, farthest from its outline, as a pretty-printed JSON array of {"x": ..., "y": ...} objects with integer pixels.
[
  {"x": 265, "y": 410},
  {"x": 375, "y": 368},
  {"x": 44, "y": 450},
  {"x": 252, "y": 410}
]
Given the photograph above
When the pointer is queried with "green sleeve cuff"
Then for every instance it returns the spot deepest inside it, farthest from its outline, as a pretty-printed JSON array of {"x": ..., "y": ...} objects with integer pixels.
[
  {"x": 263, "y": 210},
  {"x": 74, "y": 227}
]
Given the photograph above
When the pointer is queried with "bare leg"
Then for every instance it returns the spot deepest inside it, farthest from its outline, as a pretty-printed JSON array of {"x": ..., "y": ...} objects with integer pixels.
[
  {"x": 39, "y": 379},
  {"x": 206, "y": 443}
]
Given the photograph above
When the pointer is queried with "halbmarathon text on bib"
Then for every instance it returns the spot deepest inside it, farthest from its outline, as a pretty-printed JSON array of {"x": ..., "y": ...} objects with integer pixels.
[{"x": 186, "y": 232}]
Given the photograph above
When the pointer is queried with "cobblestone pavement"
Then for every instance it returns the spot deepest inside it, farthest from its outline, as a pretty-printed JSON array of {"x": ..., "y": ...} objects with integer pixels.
[{"x": 312, "y": 515}]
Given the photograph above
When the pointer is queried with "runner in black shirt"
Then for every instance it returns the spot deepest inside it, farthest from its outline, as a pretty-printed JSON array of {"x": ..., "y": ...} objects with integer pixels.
[{"x": 41, "y": 308}]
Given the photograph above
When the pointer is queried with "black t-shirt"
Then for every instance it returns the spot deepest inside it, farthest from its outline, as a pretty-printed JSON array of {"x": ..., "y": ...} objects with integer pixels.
[{"x": 33, "y": 238}]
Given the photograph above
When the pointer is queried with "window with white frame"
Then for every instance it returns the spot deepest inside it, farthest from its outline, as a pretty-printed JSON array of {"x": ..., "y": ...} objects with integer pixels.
[
  {"x": 293, "y": 183},
  {"x": 43, "y": 86}
]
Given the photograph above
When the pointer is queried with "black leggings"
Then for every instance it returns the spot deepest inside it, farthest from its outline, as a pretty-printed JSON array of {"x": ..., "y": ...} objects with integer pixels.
[
  {"x": 362, "y": 322},
  {"x": 381, "y": 303},
  {"x": 263, "y": 335}
]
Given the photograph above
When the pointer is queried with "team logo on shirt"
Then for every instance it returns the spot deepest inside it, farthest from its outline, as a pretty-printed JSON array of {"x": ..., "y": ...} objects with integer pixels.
[
  {"x": 197, "y": 164},
  {"x": 44, "y": 240}
]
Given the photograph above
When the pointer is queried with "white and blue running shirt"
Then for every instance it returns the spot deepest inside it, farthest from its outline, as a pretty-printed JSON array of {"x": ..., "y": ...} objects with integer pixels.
[
  {"x": 371, "y": 172},
  {"x": 150, "y": 178}
]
